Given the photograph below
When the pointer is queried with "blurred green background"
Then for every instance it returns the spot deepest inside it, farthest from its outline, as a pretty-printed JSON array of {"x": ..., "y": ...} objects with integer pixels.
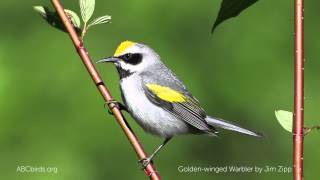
[{"x": 51, "y": 114}]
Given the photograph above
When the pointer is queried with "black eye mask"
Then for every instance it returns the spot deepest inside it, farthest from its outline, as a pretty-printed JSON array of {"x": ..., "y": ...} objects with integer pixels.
[{"x": 131, "y": 58}]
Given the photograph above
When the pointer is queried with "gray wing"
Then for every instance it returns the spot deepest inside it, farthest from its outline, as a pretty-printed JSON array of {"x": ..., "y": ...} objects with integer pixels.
[{"x": 189, "y": 111}]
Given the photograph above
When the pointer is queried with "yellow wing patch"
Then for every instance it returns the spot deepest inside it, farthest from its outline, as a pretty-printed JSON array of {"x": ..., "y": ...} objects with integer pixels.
[
  {"x": 123, "y": 46},
  {"x": 166, "y": 93}
]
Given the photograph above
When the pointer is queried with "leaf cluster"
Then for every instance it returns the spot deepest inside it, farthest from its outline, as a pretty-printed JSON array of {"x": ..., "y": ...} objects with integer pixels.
[{"x": 86, "y": 9}]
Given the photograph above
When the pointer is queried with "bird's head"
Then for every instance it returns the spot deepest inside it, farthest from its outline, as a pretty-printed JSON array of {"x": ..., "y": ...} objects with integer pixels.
[{"x": 131, "y": 57}]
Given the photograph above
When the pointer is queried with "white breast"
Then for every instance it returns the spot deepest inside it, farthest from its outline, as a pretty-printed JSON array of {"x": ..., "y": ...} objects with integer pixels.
[{"x": 150, "y": 117}]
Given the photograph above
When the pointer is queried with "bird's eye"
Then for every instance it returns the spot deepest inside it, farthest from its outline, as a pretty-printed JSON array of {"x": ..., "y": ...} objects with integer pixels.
[
  {"x": 127, "y": 56},
  {"x": 132, "y": 58}
]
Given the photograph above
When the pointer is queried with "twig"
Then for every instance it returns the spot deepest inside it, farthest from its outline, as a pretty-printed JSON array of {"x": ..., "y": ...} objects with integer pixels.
[
  {"x": 298, "y": 91},
  {"x": 149, "y": 170},
  {"x": 307, "y": 130}
]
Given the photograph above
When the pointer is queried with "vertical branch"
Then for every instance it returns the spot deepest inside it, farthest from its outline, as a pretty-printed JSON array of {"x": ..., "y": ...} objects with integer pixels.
[
  {"x": 298, "y": 90},
  {"x": 149, "y": 170}
]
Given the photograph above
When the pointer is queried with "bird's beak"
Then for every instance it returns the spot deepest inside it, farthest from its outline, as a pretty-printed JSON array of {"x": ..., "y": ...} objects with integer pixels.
[{"x": 108, "y": 59}]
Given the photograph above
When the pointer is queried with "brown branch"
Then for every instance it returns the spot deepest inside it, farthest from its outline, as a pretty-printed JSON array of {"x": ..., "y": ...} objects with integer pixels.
[
  {"x": 149, "y": 170},
  {"x": 298, "y": 91}
]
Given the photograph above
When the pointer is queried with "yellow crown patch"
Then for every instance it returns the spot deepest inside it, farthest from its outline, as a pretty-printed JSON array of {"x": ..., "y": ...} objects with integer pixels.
[{"x": 123, "y": 46}]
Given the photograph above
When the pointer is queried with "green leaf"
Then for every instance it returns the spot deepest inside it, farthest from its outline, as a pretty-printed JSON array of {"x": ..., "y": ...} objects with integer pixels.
[
  {"x": 231, "y": 8},
  {"x": 74, "y": 18},
  {"x": 86, "y": 8},
  {"x": 100, "y": 20},
  {"x": 41, "y": 10},
  {"x": 285, "y": 118},
  {"x": 54, "y": 20}
]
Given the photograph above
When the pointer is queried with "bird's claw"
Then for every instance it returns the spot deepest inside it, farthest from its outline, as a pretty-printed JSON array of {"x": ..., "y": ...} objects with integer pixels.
[
  {"x": 114, "y": 104},
  {"x": 143, "y": 163}
]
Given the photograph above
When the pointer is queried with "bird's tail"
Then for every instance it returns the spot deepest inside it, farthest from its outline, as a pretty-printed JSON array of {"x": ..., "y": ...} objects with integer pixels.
[{"x": 220, "y": 123}]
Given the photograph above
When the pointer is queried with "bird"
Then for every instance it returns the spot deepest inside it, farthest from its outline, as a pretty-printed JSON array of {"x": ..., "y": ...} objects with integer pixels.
[{"x": 158, "y": 101}]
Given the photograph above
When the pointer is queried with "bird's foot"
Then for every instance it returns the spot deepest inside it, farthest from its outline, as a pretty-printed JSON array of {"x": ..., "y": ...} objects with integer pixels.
[
  {"x": 143, "y": 163},
  {"x": 114, "y": 104}
]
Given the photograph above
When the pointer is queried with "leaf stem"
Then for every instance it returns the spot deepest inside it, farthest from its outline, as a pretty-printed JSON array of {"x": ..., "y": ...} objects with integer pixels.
[
  {"x": 84, "y": 30},
  {"x": 307, "y": 130}
]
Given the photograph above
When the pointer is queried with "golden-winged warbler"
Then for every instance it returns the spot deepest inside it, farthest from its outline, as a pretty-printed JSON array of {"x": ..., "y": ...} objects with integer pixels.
[{"x": 158, "y": 101}]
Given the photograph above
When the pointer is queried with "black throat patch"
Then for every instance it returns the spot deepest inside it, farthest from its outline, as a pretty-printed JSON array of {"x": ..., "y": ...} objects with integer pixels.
[{"x": 124, "y": 73}]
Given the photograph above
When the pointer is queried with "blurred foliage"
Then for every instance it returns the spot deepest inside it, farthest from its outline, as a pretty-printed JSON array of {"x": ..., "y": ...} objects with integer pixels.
[
  {"x": 231, "y": 8},
  {"x": 52, "y": 115}
]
